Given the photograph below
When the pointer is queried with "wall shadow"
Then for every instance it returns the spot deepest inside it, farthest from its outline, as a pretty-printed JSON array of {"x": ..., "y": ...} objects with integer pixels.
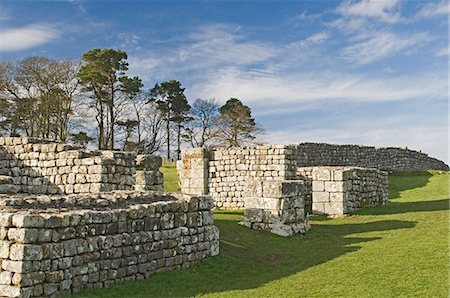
[
  {"x": 249, "y": 259},
  {"x": 36, "y": 182},
  {"x": 404, "y": 180}
]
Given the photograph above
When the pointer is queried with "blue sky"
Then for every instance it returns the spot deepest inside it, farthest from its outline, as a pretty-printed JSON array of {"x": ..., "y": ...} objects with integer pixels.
[{"x": 358, "y": 72}]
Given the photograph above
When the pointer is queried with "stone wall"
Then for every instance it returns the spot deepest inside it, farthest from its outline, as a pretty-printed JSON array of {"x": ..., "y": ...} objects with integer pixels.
[
  {"x": 275, "y": 206},
  {"x": 224, "y": 173},
  {"x": 29, "y": 165},
  {"x": 57, "y": 244},
  {"x": 321, "y": 154},
  {"x": 337, "y": 191}
]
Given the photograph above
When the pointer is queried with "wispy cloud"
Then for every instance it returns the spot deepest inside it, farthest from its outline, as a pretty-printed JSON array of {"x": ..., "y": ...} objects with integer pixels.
[
  {"x": 379, "y": 45},
  {"x": 386, "y": 10},
  {"x": 311, "y": 40},
  {"x": 430, "y": 10},
  {"x": 280, "y": 93},
  {"x": 208, "y": 47},
  {"x": 17, "y": 39}
]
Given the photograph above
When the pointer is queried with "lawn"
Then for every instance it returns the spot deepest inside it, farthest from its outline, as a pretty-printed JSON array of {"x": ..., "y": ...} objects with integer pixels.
[{"x": 400, "y": 250}]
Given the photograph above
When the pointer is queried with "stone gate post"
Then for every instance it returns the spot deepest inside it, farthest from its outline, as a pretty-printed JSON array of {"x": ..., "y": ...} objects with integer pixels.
[{"x": 193, "y": 171}]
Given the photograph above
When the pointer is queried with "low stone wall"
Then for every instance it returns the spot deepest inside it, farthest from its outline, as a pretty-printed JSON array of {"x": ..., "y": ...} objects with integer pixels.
[
  {"x": 321, "y": 154},
  {"x": 67, "y": 243},
  {"x": 36, "y": 166},
  {"x": 337, "y": 191},
  {"x": 276, "y": 207}
]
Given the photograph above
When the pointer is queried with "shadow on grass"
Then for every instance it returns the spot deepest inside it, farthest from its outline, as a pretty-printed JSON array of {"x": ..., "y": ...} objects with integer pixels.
[
  {"x": 406, "y": 180},
  {"x": 405, "y": 207},
  {"x": 249, "y": 259}
]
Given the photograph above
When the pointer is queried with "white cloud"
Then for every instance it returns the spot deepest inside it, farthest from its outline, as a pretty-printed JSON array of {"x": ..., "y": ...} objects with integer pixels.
[
  {"x": 430, "y": 10},
  {"x": 209, "y": 47},
  {"x": 380, "y": 45},
  {"x": 442, "y": 52},
  {"x": 280, "y": 93},
  {"x": 385, "y": 10},
  {"x": 17, "y": 39}
]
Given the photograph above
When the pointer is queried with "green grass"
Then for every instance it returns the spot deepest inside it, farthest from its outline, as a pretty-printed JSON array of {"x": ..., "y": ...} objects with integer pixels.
[
  {"x": 170, "y": 177},
  {"x": 400, "y": 250}
]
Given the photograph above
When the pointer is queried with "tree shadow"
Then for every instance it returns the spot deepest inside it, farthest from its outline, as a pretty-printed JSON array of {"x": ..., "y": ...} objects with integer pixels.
[{"x": 249, "y": 259}]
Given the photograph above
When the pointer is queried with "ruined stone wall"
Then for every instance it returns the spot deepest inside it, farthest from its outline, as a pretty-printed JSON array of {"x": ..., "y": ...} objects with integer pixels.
[
  {"x": 148, "y": 176},
  {"x": 321, "y": 154},
  {"x": 231, "y": 169},
  {"x": 225, "y": 173},
  {"x": 337, "y": 191},
  {"x": 29, "y": 165},
  {"x": 275, "y": 206},
  {"x": 51, "y": 245}
]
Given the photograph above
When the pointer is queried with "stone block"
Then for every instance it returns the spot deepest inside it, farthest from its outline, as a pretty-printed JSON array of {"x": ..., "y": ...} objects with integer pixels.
[
  {"x": 253, "y": 215},
  {"x": 148, "y": 162},
  {"x": 9, "y": 291},
  {"x": 19, "y": 252},
  {"x": 321, "y": 174},
  {"x": 321, "y": 196},
  {"x": 281, "y": 230},
  {"x": 282, "y": 188},
  {"x": 318, "y": 185},
  {"x": 28, "y": 220}
]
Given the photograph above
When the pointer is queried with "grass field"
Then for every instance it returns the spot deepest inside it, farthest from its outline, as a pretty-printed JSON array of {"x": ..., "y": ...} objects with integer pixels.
[{"x": 400, "y": 250}]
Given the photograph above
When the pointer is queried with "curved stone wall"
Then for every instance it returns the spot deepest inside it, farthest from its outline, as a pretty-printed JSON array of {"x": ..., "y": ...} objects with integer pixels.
[{"x": 321, "y": 154}]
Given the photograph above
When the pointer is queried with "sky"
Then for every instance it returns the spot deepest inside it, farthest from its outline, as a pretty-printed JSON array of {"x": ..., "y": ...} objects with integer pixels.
[{"x": 344, "y": 72}]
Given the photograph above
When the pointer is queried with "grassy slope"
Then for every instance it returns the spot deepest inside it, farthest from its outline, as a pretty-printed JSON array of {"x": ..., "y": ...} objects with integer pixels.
[{"x": 398, "y": 250}]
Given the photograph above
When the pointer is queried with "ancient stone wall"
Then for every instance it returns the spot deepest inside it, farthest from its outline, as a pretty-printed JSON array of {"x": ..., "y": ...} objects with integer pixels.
[
  {"x": 148, "y": 176},
  {"x": 224, "y": 173},
  {"x": 231, "y": 169},
  {"x": 57, "y": 244},
  {"x": 337, "y": 191},
  {"x": 275, "y": 206},
  {"x": 321, "y": 154},
  {"x": 29, "y": 165}
]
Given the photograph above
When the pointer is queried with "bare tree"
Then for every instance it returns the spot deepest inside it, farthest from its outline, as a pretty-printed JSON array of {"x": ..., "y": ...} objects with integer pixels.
[
  {"x": 40, "y": 94},
  {"x": 202, "y": 131},
  {"x": 153, "y": 128}
]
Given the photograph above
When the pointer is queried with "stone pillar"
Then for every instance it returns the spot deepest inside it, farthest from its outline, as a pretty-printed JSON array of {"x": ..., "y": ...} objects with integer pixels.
[
  {"x": 193, "y": 171},
  {"x": 148, "y": 176},
  {"x": 275, "y": 206},
  {"x": 337, "y": 191}
]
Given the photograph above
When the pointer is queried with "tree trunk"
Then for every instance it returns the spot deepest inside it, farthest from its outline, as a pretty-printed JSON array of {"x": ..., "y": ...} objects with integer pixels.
[
  {"x": 168, "y": 137},
  {"x": 178, "y": 141}
]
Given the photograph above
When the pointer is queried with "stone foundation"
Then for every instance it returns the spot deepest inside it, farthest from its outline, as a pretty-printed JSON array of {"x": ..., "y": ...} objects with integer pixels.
[{"x": 57, "y": 244}]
